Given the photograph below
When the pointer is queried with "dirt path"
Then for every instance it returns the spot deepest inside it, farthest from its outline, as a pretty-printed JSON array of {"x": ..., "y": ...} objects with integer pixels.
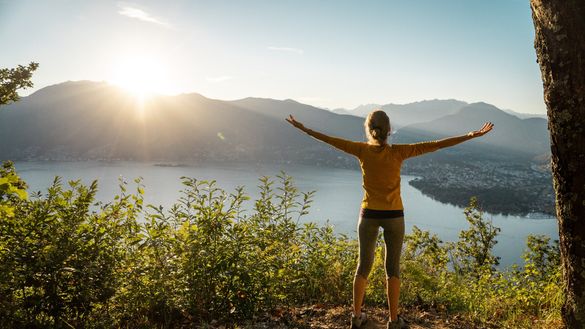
[{"x": 326, "y": 317}]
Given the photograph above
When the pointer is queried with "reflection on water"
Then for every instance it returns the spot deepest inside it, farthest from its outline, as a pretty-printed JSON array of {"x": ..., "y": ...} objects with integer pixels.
[{"x": 337, "y": 198}]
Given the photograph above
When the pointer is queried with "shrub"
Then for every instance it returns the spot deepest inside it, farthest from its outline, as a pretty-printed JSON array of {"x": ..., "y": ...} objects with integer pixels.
[{"x": 67, "y": 260}]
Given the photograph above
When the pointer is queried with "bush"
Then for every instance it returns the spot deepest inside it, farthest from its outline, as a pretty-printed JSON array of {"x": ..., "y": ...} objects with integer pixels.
[
  {"x": 461, "y": 276},
  {"x": 67, "y": 260}
]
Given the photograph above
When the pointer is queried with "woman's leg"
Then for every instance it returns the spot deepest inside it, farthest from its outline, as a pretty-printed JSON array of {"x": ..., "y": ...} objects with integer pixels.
[
  {"x": 393, "y": 295},
  {"x": 367, "y": 236},
  {"x": 393, "y": 237}
]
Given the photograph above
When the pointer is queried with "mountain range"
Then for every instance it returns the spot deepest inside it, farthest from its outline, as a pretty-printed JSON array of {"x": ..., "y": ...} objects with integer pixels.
[
  {"x": 407, "y": 114},
  {"x": 95, "y": 120},
  {"x": 423, "y": 111}
]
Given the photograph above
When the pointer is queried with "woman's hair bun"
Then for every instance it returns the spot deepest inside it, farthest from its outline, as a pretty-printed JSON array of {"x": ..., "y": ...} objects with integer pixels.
[{"x": 377, "y": 126}]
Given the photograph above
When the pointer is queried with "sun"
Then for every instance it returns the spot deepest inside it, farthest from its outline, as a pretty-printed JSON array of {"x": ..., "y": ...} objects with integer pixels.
[{"x": 142, "y": 76}]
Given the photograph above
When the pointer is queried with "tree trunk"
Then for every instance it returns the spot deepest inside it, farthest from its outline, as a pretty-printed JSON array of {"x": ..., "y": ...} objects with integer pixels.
[{"x": 560, "y": 49}]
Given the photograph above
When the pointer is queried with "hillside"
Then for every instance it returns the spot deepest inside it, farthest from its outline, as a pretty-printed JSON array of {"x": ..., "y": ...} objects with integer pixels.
[{"x": 87, "y": 120}]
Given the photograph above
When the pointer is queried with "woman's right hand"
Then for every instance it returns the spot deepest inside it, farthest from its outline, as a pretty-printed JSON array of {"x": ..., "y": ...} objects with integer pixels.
[
  {"x": 295, "y": 123},
  {"x": 484, "y": 130}
]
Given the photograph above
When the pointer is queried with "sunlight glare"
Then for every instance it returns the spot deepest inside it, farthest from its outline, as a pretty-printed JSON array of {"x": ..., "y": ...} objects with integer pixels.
[{"x": 141, "y": 76}]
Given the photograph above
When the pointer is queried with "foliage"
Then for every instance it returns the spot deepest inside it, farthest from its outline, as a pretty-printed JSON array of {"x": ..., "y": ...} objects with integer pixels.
[
  {"x": 11, "y": 80},
  {"x": 473, "y": 252},
  {"x": 66, "y": 260},
  {"x": 11, "y": 188},
  {"x": 461, "y": 276},
  {"x": 69, "y": 261}
]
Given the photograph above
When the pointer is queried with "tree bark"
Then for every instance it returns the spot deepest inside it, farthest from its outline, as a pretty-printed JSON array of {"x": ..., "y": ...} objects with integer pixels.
[{"x": 560, "y": 49}]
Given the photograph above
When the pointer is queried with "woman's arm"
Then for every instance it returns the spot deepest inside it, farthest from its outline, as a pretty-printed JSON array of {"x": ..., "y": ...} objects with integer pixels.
[
  {"x": 350, "y": 147},
  {"x": 416, "y": 149}
]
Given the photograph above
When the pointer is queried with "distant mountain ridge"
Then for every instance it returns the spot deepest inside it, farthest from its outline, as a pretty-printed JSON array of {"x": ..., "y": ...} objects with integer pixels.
[
  {"x": 421, "y": 111},
  {"x": 526, "y": 115},
  {"x": 510, "y": 132},
  {"x": 92, "y": 120},
  {"x": 85, "y": 119}
]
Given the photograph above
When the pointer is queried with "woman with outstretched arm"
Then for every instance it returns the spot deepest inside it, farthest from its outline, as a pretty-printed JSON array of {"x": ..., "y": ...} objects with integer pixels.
[{"x": 382, "y": 206}]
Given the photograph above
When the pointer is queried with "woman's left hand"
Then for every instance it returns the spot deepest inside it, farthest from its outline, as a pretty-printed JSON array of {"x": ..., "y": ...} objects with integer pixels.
[{"x": 484, "y": 130}]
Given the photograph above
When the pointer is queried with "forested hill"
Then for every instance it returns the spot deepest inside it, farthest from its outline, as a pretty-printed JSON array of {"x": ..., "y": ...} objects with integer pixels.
[{"x": 93, "y": 120}]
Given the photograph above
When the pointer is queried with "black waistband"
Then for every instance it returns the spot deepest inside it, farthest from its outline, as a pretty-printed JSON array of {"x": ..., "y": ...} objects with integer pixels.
[{"x": 381, "y": 214}]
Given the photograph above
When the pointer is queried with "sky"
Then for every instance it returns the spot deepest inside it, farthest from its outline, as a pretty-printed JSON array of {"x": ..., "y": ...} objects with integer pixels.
[{"x": 327, "y": 53}]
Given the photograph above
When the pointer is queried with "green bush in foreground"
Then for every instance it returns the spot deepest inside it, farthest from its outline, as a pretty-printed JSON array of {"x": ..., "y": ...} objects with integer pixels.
[
  {"x": 528, "y": 296},
  {"x": 67, "y": 261}
]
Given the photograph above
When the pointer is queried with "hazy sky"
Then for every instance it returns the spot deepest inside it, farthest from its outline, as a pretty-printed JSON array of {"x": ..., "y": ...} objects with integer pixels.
[{"x": 324, "y": 53}]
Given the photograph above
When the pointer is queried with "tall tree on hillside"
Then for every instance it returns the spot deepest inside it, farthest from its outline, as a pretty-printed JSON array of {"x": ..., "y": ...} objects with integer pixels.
[
  {"x": 13, "y": 79},
  {"x": 560, "y": 49}
]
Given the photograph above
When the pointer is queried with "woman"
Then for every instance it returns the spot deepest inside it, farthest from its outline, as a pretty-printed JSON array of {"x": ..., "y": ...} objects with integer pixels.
[{"x": 381, "y": 206}]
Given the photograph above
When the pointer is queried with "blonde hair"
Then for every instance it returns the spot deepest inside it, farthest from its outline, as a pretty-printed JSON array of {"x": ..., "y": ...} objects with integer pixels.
[{"x": 377, "y": 126}]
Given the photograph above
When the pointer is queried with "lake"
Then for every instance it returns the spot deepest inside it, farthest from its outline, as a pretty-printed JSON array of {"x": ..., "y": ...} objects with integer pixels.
[{"x": 337, "y": 199}]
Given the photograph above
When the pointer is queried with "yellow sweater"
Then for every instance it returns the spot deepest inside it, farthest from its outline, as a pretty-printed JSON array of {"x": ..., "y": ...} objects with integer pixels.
[{"x": 381, "y": 166}]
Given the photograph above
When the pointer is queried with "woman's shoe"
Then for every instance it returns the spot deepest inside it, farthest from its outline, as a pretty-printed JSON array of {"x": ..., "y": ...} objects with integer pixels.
[
  {"x": 398, "y": 324},
  {"x": 358, "y": 322}
]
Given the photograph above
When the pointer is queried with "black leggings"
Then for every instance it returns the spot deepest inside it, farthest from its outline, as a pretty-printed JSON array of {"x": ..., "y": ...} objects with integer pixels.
[{"x": 393, "y": 237}]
